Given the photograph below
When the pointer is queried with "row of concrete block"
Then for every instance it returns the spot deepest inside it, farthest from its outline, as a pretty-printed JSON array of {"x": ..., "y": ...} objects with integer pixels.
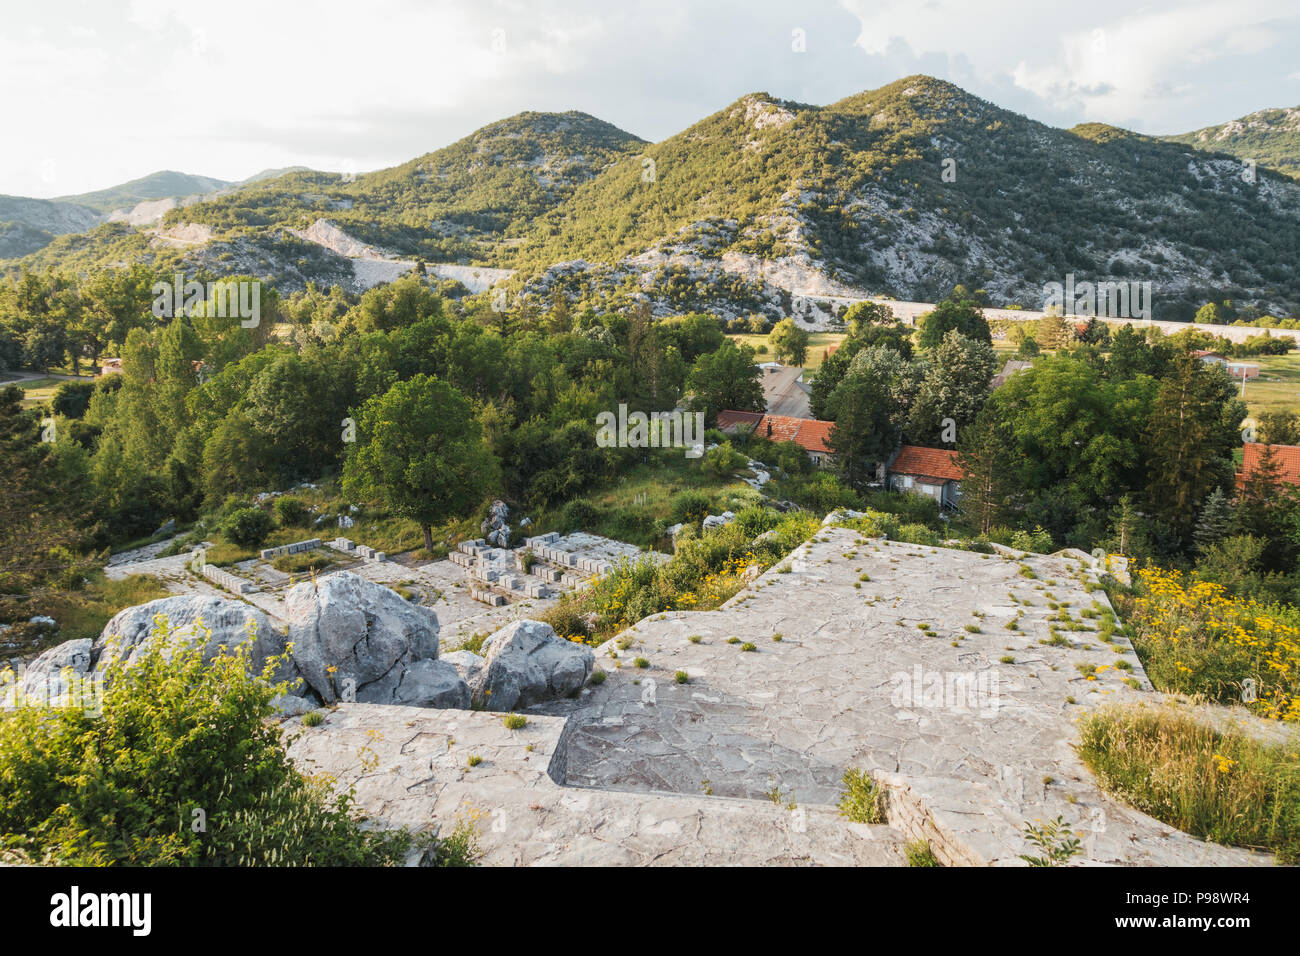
[
  {"x": 298, "y": 546},
  {"x": 488, "y": 597},
  {"x": 230, "y": 582},
  {"x": 568, "y": 559},
  {"x": 360, "y": 550}
]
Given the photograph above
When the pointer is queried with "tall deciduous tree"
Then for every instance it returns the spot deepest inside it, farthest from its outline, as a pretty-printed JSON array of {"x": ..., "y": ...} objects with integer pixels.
[
  {"x": 727, "y": 378},
  {"x": 421, "y": 452},
  {"x": 955, "y": 386},
  {"x": 960, "y": 310},
  {"x": 789, "y": 341}
]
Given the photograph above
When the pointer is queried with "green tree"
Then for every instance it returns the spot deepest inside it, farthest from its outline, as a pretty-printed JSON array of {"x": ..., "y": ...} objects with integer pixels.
[
  {"x": 420, "y": 451},
  {"x": 988, "y": 487},
  {"x": 861, "y": 316},
  {"x": 726, "y": 379},
  {"x": 1279, "y": 427},
  {"x": 1216, "y": 520},
  {"x": 1052, "y": 331},
  {"x": 1190, "y": 439},
  {"x": 960, "y": 310},
  {"x": 867, "y": 426},
  {"x": 789, "y": 341},
  {"x": 955, "y": 385}
]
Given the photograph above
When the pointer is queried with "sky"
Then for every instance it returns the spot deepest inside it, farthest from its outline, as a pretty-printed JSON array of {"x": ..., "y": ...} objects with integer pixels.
[{"x": 103, "y": 92}]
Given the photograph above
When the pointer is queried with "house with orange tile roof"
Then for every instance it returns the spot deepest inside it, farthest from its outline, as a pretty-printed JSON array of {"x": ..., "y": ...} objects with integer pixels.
[
  {"x": 927, "y": 471},
  {"x": 1285, "y": 457},
  {"x": 811, "y": 434}
]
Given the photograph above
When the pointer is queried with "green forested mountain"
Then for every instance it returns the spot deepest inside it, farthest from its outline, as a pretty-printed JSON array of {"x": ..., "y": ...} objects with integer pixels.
[
  {"x": 1269, "y": 137},
  {"x": 455, "y": 203},
  {"x": 907, "y": 190},
  {"x": 858, "y": 189}
]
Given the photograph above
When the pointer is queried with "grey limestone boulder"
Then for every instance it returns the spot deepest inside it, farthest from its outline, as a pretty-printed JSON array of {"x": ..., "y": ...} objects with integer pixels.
[
  {"x": 357, "y": 640},
  {"x": 525, "y": 663}
]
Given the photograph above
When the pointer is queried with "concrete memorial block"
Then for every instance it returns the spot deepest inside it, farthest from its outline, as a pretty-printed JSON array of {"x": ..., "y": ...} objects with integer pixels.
[{"x": 227, "y": 580}]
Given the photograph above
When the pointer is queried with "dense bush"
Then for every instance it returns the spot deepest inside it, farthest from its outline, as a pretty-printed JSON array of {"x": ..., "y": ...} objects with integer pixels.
[
  {"x": 182, "y": 765},
  {"x": 290, "y": 512},
  {"x": 722, "y": 460},
  {"x": 577, "y": 515},
  {"x": 705, "y": 571},
  {"x": 247, "y": 526},
  {"x": 690, "y": 506}
]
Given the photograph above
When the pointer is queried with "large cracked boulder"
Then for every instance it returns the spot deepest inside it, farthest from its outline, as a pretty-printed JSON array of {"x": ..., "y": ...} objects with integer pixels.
[
  {"x": 214, "y": 622},
  {"x": 357, "y": 640},
  {"x": 526, "y": 663},
  {"x": 217, "y": 622}
]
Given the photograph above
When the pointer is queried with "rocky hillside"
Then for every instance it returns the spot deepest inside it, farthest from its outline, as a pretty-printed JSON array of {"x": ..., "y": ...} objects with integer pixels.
[
  {"x": 902, "y": 191},
  {"x": 856, "y": 193},
  {"x": 462, "y": 202},
  {"x": 1269, "y": 137}
]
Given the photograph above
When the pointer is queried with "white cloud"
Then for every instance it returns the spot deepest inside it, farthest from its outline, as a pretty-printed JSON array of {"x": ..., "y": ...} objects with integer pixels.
[{"x": 114, "y": 90}]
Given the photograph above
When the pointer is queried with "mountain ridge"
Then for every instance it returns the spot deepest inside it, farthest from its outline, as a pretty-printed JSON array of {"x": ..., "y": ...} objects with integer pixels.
[{"x": 906, "y": 190}]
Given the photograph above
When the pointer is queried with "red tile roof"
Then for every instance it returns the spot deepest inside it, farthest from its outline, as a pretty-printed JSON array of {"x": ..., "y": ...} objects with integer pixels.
[
  {"x": 1286, "y": 457},
  {"x": 809, "y": 433},
  {"x": 927, "y": 463}
]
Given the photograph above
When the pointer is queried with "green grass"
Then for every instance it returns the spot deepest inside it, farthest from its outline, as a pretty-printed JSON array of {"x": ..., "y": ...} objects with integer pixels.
[
  {"x": 817, "y": 345},
  {"x": 303, "y": 561},
  {"x": 1224, "y": 787},
  {"x": 918, "y": 853},
  {"x": 83, "y": 613},
  {"x": 637, "y": 506},
  {"x": 515, "y": 721},
  {"x": 1278, "y": 385},
  {"x": 863, "y": 798}
]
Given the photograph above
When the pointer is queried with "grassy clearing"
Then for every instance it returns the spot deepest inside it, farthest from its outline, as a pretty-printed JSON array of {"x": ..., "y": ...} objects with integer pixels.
[
  {"x": 1278, "y": 385},
  {"x": 818, "y": 342},
  {"x": 1221, "y": 786},
  {"x": 83, "y": 613},
  {"x": 638, "y": 506}
]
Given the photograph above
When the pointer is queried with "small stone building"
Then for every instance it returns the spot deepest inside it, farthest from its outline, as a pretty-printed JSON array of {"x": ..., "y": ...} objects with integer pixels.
[{"x": 927, "y": 471}]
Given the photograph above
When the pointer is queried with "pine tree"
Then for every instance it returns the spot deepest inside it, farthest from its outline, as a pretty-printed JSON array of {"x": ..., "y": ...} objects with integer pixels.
[
  {"x": 1216, "y": 520},
  {"x": 1191, "y": 433},
  {"x": 987, "y": 488},
  {"x": 1052, "y": 333},
  {"x": 1125, "y": 525}
]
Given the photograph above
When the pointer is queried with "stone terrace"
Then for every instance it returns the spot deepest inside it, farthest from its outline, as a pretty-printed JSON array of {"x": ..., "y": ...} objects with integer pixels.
[
  {"x": 410, "y": 766},
  {"x": 657, "y": 771}
]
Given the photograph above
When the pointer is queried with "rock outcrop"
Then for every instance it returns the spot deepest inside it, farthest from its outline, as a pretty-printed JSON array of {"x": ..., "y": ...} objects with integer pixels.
[
  {"x": 526, "y": 663},
  {"x": 354, "y": 639},
  {"x": 219, "y": 622}
]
